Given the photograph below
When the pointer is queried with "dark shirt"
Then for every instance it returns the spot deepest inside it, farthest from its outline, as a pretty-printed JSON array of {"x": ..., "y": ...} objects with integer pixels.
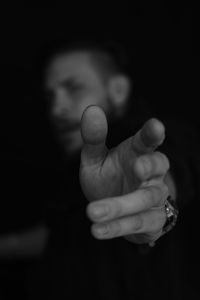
[{"x": 78, "y": 265}]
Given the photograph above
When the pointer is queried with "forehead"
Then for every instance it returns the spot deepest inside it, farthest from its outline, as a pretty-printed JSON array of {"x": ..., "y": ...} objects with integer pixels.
[{"x": 76, "y": 65}]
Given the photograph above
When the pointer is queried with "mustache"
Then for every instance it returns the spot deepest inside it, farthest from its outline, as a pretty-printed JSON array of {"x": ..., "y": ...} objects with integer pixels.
[{"x": 63, "y": 125}]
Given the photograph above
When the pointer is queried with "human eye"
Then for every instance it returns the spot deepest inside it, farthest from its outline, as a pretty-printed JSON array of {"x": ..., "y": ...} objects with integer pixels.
[{"x": 75, "y": 89}]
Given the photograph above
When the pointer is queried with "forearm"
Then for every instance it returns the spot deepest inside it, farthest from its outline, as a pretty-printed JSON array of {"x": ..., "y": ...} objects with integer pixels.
[{"x": 28, "y": 244}]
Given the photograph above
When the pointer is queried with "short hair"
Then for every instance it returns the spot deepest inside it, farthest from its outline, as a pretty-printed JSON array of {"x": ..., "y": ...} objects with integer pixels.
[{"x": 110, "y": 57}]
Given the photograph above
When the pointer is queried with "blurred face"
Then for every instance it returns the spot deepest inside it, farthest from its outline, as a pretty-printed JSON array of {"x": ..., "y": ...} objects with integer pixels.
[{"x": 73, "y": 83}]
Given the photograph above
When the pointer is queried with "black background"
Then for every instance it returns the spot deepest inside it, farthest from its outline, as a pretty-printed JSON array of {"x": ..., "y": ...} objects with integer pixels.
[
  {"x": 158, "y": 36},
  {"x": 161, "y": 38}
]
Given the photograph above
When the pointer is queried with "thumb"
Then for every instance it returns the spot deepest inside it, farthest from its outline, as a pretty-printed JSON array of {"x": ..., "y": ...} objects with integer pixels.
[{"x": 94, "y": 128}]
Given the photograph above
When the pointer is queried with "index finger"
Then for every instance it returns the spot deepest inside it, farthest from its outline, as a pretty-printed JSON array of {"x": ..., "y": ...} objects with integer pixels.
[{"x": 149, "y": 137}]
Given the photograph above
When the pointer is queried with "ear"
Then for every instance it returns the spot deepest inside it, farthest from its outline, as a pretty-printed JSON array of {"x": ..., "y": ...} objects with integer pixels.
[{"x": 119, "y": 89}]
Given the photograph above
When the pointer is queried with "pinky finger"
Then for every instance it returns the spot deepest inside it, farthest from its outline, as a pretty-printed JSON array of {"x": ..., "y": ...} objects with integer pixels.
[{"x": 147, "y": 223}]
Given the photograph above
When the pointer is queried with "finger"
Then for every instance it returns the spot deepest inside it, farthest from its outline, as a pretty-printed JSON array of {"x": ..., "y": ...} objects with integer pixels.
[
  {"x": 141, "y": 200},
  {"x": 149, "y": 137},
  {"x": 150, "y": 222},
  {"x": 151, "y": 165},
  {"x": 94, "y": 131}
]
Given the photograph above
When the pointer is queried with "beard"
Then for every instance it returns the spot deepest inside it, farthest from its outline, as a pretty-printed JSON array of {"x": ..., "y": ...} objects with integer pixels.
[
  {"x": 67, "y": 131},
  {"x": 63, "y": 126}
]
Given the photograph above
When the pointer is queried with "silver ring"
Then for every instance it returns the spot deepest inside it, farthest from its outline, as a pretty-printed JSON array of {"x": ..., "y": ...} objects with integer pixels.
[{"x": 171, "y": 210}]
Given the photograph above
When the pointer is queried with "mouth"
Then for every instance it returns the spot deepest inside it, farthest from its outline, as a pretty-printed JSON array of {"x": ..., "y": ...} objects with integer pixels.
[{"x": 65, "y": 129}]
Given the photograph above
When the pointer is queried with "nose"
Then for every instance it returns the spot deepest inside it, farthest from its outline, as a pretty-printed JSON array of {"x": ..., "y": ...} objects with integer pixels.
[{"x": 60, "y": 104}]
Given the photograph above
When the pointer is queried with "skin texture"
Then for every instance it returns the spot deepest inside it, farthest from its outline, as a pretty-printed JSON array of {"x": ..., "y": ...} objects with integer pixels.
[
  {"x": 125, "y": 185},
  {"x": 128, "y": 182}
]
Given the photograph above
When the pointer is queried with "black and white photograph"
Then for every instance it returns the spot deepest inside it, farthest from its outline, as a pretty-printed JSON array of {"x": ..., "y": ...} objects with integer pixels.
[{"x": 100, "y": 151}]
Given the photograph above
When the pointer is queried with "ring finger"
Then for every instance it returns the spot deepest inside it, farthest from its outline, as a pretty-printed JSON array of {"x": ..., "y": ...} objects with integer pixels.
[{"x": 148, "y": 222}]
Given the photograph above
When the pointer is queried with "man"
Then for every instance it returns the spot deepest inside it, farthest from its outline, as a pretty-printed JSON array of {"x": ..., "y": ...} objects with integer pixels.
[
  {"x": 127, "y": 187},
  {"x": 133, "y": 180}
]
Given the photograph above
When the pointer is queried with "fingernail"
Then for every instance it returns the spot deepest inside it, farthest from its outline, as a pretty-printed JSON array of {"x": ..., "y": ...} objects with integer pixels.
[
  {"x": 99, "y": 211},
  {"x": 101, "y": 230}
]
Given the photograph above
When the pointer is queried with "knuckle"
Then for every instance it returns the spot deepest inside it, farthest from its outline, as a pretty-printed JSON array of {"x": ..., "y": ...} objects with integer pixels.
[
  {"x": 163, "y": 158},
  {"x": 164, "y": 193},
  {"x": 165, "y": 190},
  {"x": 146, "y": 198},
  {"x": 145, "y": 164},
  {"x": 137, "y": 223},
  {"x": 115, "y": 228},
  {"x": 153, "y": 195},
  {"x": 117, "y": 209},
  {"x": 157, "y": 222},
  {"x": 161, "y": 192}
]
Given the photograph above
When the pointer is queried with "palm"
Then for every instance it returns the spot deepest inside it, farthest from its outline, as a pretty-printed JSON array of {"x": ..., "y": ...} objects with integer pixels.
[
  {"x": 113, "y": 177},
  {"x": 128, "y": 180},
  {"x": 106, "y": 173}
]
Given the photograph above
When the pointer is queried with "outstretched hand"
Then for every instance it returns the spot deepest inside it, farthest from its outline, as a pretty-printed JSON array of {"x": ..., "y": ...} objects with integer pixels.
[{"x": 125, "y": 185}]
